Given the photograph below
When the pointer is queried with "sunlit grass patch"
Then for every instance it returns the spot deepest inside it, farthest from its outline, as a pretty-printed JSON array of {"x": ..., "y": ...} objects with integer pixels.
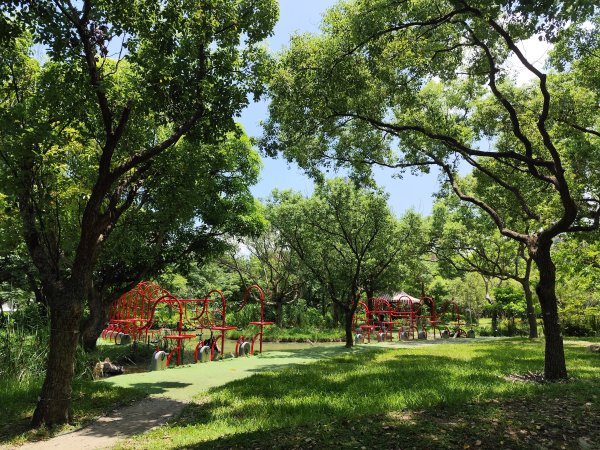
[{"x": 352, "y": 387}]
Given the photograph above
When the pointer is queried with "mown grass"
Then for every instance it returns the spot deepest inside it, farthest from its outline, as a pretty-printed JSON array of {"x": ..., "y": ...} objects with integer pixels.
[{"x": 337, "y": 401}]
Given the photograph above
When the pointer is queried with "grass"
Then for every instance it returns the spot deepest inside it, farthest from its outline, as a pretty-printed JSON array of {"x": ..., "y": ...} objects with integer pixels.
[
  {"x": 90, "y": 399},
  {"x": 446, "y": 395}
]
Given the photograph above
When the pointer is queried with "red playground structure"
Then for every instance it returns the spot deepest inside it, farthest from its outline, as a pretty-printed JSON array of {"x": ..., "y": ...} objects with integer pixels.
[
  {"x": 133, "y": 317},
  {"x": 208, "y": 318},
  {"x": 458, "y": 330},
  {"x": 406, "y": 315},
  {"x": 241, "y": 346}
]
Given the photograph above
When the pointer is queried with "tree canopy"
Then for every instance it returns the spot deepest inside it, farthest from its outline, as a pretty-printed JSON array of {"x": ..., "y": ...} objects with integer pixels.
[
  {"x": 126, "y": 124},
  {"x": 421, "y": 84},
  {"x": 347, "y": 238}
]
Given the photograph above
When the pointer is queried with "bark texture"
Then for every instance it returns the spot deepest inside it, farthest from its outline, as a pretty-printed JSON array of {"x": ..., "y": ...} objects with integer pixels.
[
  {"x": 554, "y": 363},
  {"x": 54, "y": 401}
]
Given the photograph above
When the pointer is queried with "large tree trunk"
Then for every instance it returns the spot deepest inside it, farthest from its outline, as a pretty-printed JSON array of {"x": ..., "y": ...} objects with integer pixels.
[
  {"x": 348, "y": 313},
  {"x": 554, "y": 365},
  {"x": 531, "y": 319},
  {"x": 279, "y": 312},
  {"x": 92, "y": 327},
  {"x": 55, "y": 398}
]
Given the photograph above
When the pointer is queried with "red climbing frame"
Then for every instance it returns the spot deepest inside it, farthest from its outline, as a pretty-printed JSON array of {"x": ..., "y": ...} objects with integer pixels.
[
  {"x": 384, "y": 315},
  {"x": 458, "y": 330},
  {"x": 406, "y": 312},
  {"x": 261, "y": 323},
  {"x": 222, "y": 328},
  {"x": 132, "y": 312},
  {"x": 428, "y": 319},
  {"x": 362, "y": 319}
]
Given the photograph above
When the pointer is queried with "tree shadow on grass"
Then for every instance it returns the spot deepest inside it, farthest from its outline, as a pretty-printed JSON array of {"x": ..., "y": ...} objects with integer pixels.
[
  {"x": 407, "y": 382},
  {"x": 506, "y": 424},
  {"x": 158, "y": 387},
  {"x": 339, "y": 387},
  {"x": 431, "y": 402},
  {"x": 89, "y": 400}
]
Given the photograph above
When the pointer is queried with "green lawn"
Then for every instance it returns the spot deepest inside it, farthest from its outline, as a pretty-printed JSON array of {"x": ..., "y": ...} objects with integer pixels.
[
  {"x": 450, "y": 394},
  {"x": 445, "y": 396},
  {"x": 90, "y": 399}
]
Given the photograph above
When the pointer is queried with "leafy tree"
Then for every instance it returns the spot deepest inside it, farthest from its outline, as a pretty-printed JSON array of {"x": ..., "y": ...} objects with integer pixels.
[
  {"x": 270, "y": 264},
  {"x": 578, "y": 266},
  {"x": 511, "y": 302},
  {"x": 93, "y": 136},
  {"x": 469, "y": 293},
  {"x": 468, "y": 241},
  {"x": 345, "y": 236},
  {"x": 421, "y": 84}
]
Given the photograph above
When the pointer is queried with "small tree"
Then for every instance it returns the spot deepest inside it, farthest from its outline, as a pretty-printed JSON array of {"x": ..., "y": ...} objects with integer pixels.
[{"x": 345, "y": 236}]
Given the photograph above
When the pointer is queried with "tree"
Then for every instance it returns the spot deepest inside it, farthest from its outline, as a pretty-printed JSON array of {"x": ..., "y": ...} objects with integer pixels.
[
  {"x": 511, "y": 302},
  {"x": 86, "y": 136},
  {"x": 578, "y": 266},
  {"x": 468, "y": 241},
  {"x": 270, "y": 264},
  {"x": 345, "y": 236},
  {"x": 421, "y": 84}
]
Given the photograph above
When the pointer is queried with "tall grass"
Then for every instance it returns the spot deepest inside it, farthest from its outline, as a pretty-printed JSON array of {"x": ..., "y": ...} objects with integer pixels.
[{"x": 24, "y": 339}]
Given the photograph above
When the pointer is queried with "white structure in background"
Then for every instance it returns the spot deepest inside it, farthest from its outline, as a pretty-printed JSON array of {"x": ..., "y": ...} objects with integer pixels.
[
  {"x": 400, "y": 297},
  {"x": 8, "y": 307}
]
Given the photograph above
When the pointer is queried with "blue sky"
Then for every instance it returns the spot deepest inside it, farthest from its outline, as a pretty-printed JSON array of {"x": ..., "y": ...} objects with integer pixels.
[{"x": 297, "y": 16}]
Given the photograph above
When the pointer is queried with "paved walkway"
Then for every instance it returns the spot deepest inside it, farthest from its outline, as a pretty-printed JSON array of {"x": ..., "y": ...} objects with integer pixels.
[{"x": 123, "y": 423}]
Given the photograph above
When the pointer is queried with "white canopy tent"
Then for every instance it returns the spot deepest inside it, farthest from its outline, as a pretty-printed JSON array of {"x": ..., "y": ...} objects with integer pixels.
[{"x": 401, "y": 296}]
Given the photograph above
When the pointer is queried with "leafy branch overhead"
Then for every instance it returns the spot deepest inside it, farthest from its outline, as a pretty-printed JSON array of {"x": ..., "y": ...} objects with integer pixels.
[
  {"x": 420, "y": 84},
  {"x": 119, "y": 145}
]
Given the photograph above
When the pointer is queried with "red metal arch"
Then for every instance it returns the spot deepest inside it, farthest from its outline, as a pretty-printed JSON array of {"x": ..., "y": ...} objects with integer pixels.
[{"x": 261, "y": 323}]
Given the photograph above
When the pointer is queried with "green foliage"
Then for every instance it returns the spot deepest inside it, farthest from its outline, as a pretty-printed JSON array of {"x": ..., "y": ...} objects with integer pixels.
[
  {"x": 127, "y": 125},
  {"x": 578, "y": 266},
  {"x": 510, "y": 300},
  {"x": 346, "y": 237},
  {"x": 299, "y": 314}
]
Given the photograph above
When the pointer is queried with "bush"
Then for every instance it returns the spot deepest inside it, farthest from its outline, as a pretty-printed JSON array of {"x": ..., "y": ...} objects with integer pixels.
[
  {"x": 299, "y": 314},
  {"x": 582, "y": 326},
  {"x": 24, "y": 344}
]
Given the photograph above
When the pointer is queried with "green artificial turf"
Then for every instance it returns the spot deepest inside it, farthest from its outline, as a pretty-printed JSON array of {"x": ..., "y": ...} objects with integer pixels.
[{"x": 185, "y": 381}]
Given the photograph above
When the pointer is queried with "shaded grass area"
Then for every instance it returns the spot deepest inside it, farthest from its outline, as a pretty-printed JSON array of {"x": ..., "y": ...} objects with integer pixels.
[
  {"x": 89, "y": 399},
  {"x": 443, "y": 396}
]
